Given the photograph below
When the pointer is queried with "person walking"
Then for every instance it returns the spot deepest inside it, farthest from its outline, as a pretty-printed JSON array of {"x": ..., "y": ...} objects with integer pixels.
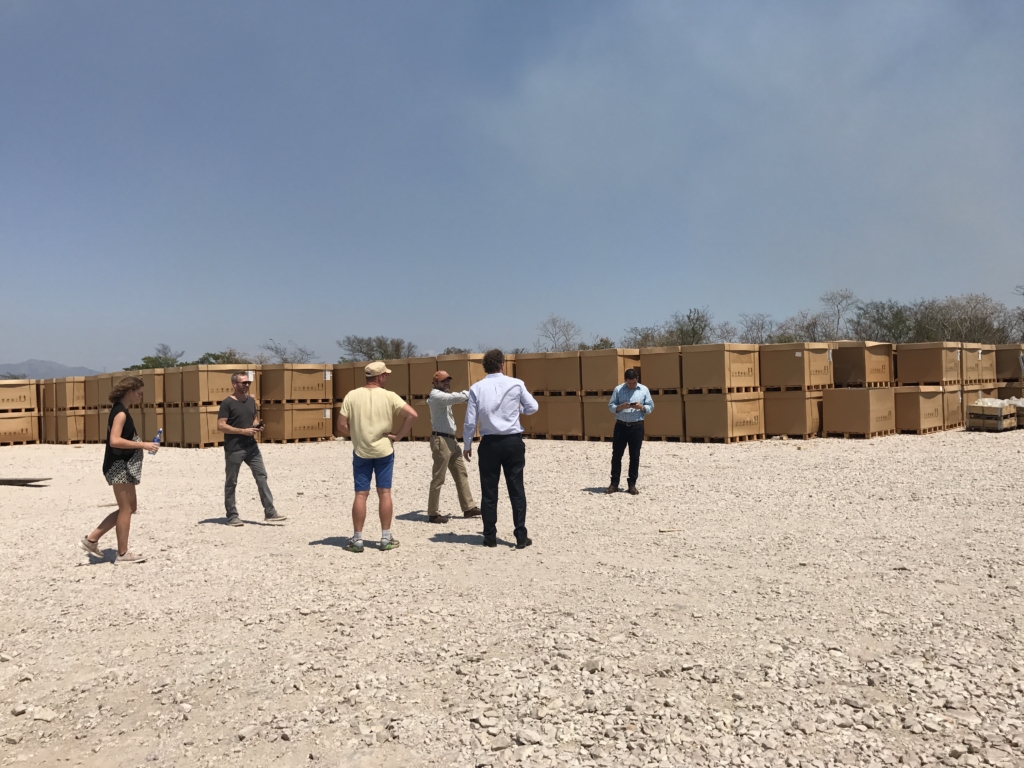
[
  {"x": 445, "y": 449},
  {"x": 122, "y": 468},
  {"x": 238, "y": 420},
  {"x": 367, "y": 415},
  {"x": 495, "y": 403},
  {"x": 630, "y": 402}
]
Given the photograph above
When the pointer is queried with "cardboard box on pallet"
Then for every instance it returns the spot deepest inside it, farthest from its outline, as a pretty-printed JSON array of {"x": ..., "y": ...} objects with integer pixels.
[
  {"x": 421, "y": 376},
  {"x": 859, "y": 410},
  {"x": 48, "y": 425},
  {"x": 174, "y": 392},
  {"x": 565, "y": 416},
  {"x": 1015, "y": 389},
  {"x": 793, "y": 413},
  {"x": 459, "y": 414},
  {"x": 661, "y": 368},
  {"x": 153, "y": 392},
  {"x": 1010, "y": 362},
  {"x": 932, "y": 363},
  {"x": 723, "y": 416},
  {"x": 597, "y": 420},
  {"x": 465, "y": 370},
  {"x": 174, "y": 426},
  {"x": 209, "y": 383},
  {"x": 602, "y": 370},
  {"x": 18, "y": 428},
  {"x": 70, "y": 393},
  {"x": 296, "y": 421},
  {"x": 19, "y": 395},
  {"x": 199, "y": 426},
  {"x": 952, "y": 407},
  {"x": 47, "y": 395},
  {"x": 152, "y": 422},
  {"x": 804, "y": 364},
  {"x": 562, "y": 373},
  {"x": 398, "y": 381},
  {"x": 531, "y": 369},
  {"x": 856, "y": 363},
  {"x": 421, "y": 428},
  {"x": 509, "y": 368},
  {"x": 978, "y": 363},
  {"x": 93, "y": 398},
  {"x": 345, "y": 378},
  {"x": 720, "y": 366},
  {"x": 297, "y": 381},
  {"x": 919, "y": 409},
  {"x": 666, "y": 420},
  {"x": 537, "y": 423},
  {"x": 93, "y": 433},
  {"x": 71, "y": 426}
]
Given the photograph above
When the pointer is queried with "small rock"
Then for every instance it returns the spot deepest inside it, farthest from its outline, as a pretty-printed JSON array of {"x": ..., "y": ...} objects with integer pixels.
[
  {"x": 738, "y": 696},
  {"x": 502, "y": 741},
  {"x": 4, "y": 657},
  {"x": 13, "y": 738},
  {"x": 44, "y": 714},
  {"x": 844, "y": 722},
  {"x": 18, "y": 709},
  {"x": 855, "y": 703},
  {"x": 186, "y": 708},
  {"x": 529, "y": 736},
  {"x": 247, "y": 733},
  {"x": 617, "y": 639},
  {"x": 153, "y": 757}
]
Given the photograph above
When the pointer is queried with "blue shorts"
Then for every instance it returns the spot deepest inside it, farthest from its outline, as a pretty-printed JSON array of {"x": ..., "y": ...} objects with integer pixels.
[{"x": 362, "y": 469}]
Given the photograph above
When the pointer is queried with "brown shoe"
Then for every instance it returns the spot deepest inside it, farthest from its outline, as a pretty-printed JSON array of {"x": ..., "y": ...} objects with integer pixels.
[
  {"x": 474, "y": 512},
  {"x": 612, "y": 489},
  {"x": 438, "y": 519},
  {"x": 632, "y": 491}
]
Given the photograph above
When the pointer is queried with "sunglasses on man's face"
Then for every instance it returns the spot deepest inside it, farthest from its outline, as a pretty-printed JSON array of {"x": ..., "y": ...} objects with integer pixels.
[{"x": 245, "y": 383}]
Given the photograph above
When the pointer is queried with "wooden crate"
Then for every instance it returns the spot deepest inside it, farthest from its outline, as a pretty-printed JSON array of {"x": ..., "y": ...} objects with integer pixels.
[
  {"x": 602, "y": 370},
  {"x": 934, "y": 363},
  {"x": 795, "y": 367},
  {"x": 295, "y": 383},
  {"x": 724, "y": 416},
  {"x": 862, "y": 363},
  {"x": 720, "y": 368},
  {"x": 919, "y": 409},
  {"x": 661, "y": 369},
  {"x": 863, "y": 412},
  {"x": 793, "y": 413}
]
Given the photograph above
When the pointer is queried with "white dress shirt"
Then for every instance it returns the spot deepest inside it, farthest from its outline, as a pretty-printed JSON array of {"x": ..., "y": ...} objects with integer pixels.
[
  {"x": 495, "y": 403},
  {"x": 440, "y": 403}
]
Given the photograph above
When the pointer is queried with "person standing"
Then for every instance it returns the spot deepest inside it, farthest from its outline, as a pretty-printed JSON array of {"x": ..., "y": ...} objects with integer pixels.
[
  {"x": 367, "y": 415},
  {"x": 122, "y": 468},
  {"x": 630, "y": 402},
  {"x": 495, "y": 403},
  {"x": 238, "y": 420},
  {"x": 445, "y": 449}
]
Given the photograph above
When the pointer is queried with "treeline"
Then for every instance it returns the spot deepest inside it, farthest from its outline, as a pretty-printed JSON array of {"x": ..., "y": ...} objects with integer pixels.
[{"x": 840, "y": 315}]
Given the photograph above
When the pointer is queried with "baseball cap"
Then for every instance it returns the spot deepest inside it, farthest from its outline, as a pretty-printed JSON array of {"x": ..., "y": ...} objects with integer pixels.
[
  {"x": 441, "y": 376},
  {"x": 376, "y": 369}
]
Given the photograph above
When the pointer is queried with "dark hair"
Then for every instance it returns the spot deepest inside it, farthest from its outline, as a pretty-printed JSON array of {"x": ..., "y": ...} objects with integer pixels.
[
  {"x": 494, "y": 359},
  {"x": 632, "y": 374},
  {"x": 123, "y": 387}
]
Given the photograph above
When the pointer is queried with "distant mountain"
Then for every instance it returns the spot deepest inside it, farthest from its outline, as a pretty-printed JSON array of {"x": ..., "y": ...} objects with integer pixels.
[{"x": 45, "y": 369}]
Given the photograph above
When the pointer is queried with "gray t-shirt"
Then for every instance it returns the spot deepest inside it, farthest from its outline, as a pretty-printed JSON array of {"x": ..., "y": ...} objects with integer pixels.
[{"x": 240, "y": 415}]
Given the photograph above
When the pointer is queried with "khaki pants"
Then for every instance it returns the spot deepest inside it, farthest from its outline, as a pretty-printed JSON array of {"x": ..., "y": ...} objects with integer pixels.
[{"x": 448, "y": 458}]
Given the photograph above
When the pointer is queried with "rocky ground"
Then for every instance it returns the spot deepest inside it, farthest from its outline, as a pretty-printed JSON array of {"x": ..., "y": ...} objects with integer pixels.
[{"x": 773, "y": 604}]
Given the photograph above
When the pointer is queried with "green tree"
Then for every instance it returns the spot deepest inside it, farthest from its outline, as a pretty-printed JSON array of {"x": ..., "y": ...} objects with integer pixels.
[{"x": 358, "y": 349}]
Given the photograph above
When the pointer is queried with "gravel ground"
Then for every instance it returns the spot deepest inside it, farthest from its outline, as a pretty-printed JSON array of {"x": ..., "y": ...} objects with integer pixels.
[{"x": 822, "y": 603}]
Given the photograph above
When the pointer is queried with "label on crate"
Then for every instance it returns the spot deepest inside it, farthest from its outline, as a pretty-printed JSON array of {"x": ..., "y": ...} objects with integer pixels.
[
  {"x": 830, "y": 355},
  {"x": 251, "y": 375},
  {"x": 799, "y": 354},
  {"x": 327, "y": 413},
  {"x": 327, "y": 375}
]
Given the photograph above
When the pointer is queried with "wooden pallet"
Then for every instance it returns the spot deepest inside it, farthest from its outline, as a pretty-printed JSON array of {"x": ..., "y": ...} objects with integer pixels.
[
  {"x": 302, "y": 402},
  {"x": 720, "y": 390},
  {"x": 560, "y": 392},
  {"x": 993, "y": 382},
  {"x": 301, "y": 440},
  {"x": 958, "y": 425},
  {"x": 927, "y": 431},
  {"x": 598, "y": 392},
  {"x": 21, "y": 442},
  {"x": 565, "y": 437},
  {"x": 203, "y": 404},
  {"x": 862, "y": 435},
  {"x": 76, "y": 409},
  {"x": 668, "y": 391},
  {"x": 726, "y": 440},
  {"x": 18, "y": 410},
  {"x": 66, "y": 442},
  {"x": 866, "y": 385},
  {"x": 204, "y": 445},
  {"x": 171, "y": 445},
  {"x": 664, "y": 439},
  {"x": 800, "y": 388},
  {"x": 810, "y": 436},
  {"x": 944, "y": 383},
  {"x": 598, "y": 439}
]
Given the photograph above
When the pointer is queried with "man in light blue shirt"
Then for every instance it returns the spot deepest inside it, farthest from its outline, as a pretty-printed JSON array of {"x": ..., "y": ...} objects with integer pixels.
[{"x": 630, "y": 402}]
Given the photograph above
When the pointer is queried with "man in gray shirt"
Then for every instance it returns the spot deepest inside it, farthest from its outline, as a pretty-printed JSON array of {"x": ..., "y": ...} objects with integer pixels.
[
  {"x": 238, "y": 420},
  {"x": 445, "y": 449}
]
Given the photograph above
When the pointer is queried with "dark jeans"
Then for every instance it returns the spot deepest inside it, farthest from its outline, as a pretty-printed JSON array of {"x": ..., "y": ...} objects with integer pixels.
[
  {"x": 631, "y": 434},
  {"x": 497, "y": 453},
  {"x": 254, "y": 459}
]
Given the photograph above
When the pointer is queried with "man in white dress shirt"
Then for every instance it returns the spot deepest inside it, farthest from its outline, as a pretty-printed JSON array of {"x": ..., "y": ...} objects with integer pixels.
[
  {"x": 495, "y": 403},
  {"x": 445, "y": 449}
]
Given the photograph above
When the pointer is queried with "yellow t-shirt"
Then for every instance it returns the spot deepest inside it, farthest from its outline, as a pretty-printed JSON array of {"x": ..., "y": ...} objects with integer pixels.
[{"x": 371, "y": 414}]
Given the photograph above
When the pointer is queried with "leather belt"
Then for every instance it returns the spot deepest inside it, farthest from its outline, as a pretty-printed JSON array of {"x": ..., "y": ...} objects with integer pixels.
[{"x": 442, "y": 434}]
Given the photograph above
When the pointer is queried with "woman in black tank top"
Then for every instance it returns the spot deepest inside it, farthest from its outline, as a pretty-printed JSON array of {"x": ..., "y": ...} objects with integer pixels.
[{"x": 122, "y": 467}]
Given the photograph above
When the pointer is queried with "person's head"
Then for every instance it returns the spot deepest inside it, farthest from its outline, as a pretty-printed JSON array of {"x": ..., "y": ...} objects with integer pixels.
[
  {"x": 443, "y": 381},
  {"x": 241, "y": 383},
  {"x": 127, "y": 391},
  {"x": 376, "y": 373},
  {"x": 632, "y": 378},
  {"x": 494, "y": 360}
]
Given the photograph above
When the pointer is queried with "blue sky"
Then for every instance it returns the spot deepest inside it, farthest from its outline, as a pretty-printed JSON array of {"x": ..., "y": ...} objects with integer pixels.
[{"x": 212, "y": 174}]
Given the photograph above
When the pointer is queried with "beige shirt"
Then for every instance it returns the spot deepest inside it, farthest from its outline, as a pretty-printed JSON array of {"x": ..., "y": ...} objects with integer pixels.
[{"x": 371, "y": 415}]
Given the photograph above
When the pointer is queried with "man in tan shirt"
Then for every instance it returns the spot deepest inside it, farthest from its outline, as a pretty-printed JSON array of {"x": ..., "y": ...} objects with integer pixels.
[{"x": 367, "y": 415}]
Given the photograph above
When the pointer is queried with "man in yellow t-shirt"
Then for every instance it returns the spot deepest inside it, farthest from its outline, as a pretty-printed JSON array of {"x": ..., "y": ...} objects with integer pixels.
[{"x": 367, "y": 415}]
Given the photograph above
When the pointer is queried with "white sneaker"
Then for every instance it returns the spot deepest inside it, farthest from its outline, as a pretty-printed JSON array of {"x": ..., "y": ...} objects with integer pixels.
[
  {"x": 129, "y": 557},
  {"x": 91, "y": 547}
]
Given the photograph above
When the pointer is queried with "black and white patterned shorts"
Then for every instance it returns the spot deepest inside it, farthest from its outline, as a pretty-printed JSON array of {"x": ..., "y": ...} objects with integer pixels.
[{"x": 124, "y": 472}]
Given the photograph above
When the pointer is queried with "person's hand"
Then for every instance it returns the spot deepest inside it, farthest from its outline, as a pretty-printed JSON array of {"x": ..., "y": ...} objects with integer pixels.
[
  {"x": 152, "y": 447},
  {"x": 468, "y": 454},
  {"x": 393, "y": 438},
  {"x": 638, "y": 406},
  {"x": 250, "y": 432}
]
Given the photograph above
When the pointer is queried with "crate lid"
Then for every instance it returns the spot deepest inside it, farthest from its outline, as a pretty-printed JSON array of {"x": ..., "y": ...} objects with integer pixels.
[
  {"x": 658, "y": 350},
  {"x": 910, "y": 389},
  {"x": 864, "y": 344},
  {"x": 800, "y": 345},
  {"x": 930, "y": 345},
  {"x": 718, "y": 348},
  {"x": 614, "y": 351}
]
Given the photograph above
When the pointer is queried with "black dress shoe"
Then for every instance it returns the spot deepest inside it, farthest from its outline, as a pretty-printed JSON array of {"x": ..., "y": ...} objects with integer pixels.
[
  {"x": 474, "y": 512},
  {"x": 612, "y": 489},
  {"x": 438, "y": 519},
  {"x": 524, "y": 543},
  {"x": 632, "y": 491},
  {"x": 490, "y": 541}
]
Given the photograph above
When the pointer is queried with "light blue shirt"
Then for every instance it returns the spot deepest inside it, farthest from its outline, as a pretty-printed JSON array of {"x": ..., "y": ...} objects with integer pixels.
[
  {"x": 496, "y": 402},
  {"x": 623, "y": 394}
]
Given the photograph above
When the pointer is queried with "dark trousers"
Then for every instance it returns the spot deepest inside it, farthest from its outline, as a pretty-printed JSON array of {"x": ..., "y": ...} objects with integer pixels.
[
  {"x": 497, "y": 453},
  {"x": 631, "y": 434},
  {"x": 254, "y": 459}
]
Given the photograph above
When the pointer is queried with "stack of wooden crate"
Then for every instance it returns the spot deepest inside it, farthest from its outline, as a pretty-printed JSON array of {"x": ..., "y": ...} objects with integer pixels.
[
  {"x": 295, "y": 402},
  {"x": 862, "y": 403},
  {"x": 19, "y": 412},
  {"x": 661, "y": 371},
  {"x": 928, "y": 396},
  {"x": 794, "y": 378},
  {"x": 978, "y": 367},
  {"x": 1010, "y": 370},
  {"x": 722, "y": 393}
]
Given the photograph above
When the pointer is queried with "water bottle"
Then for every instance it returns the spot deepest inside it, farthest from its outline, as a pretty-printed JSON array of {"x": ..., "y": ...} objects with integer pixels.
[{"x": 159, "y": 434}]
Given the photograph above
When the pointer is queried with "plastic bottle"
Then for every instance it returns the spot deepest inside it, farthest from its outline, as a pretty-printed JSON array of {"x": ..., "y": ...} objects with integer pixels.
[{"x": 159, "y": 434}]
